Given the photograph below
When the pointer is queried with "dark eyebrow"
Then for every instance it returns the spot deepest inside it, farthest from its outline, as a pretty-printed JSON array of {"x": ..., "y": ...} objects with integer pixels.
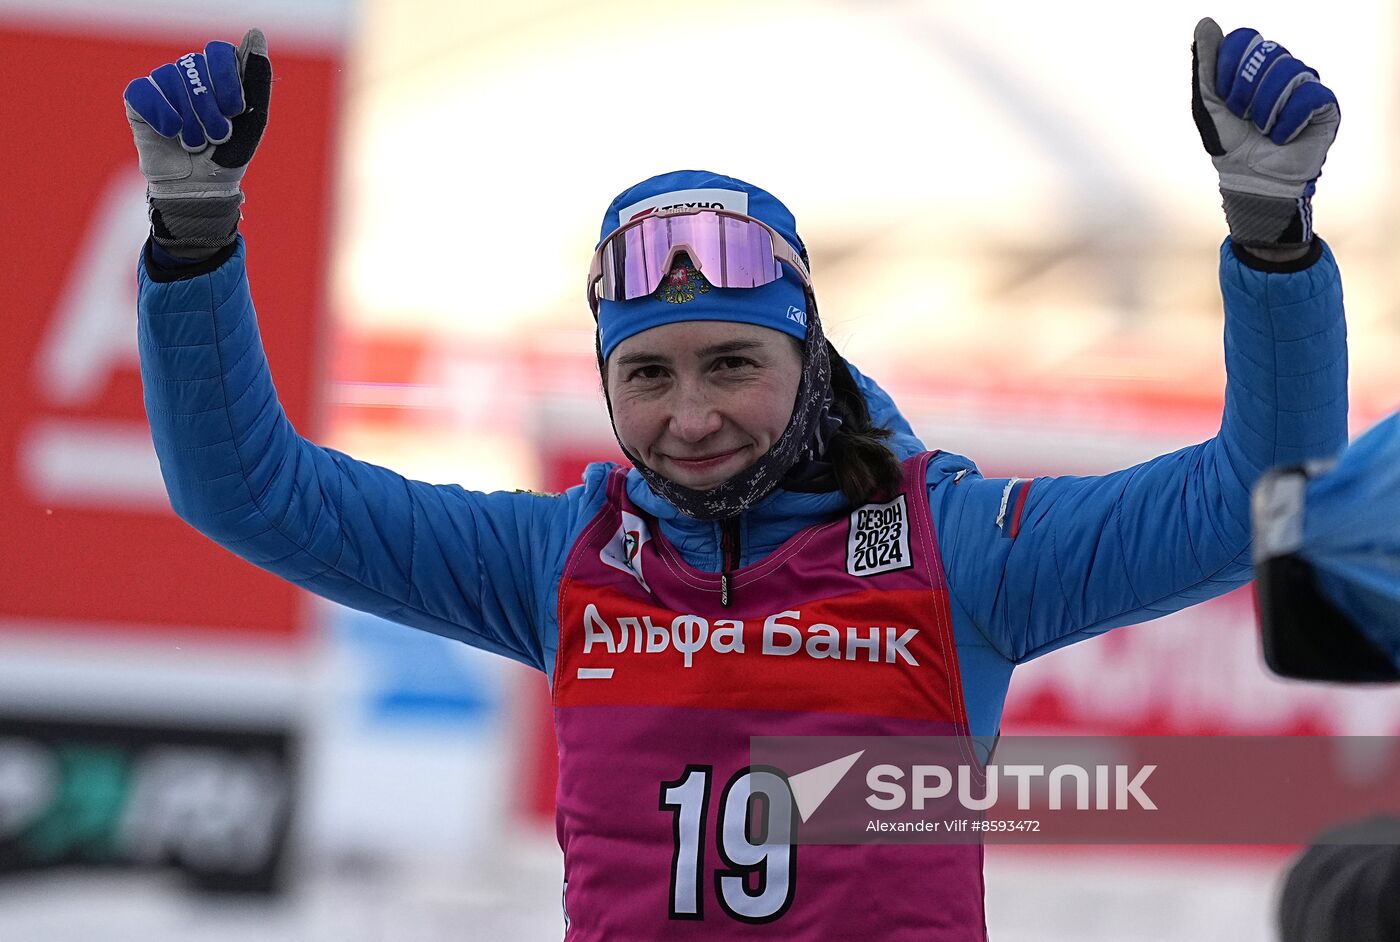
[
  {"x": 640, "y": 359},
  {"x": 728, "y": 348}
]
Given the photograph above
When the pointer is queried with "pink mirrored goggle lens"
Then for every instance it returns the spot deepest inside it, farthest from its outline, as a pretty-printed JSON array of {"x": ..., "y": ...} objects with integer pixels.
[{"x": 731, "y": 252}]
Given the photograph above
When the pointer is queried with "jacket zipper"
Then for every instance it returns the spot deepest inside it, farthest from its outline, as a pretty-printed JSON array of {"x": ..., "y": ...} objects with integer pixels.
[{"x": 729, "y": 557}]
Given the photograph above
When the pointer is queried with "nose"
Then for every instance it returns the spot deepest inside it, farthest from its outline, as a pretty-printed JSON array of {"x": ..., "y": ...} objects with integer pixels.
[{"x": 695, "y": 416}]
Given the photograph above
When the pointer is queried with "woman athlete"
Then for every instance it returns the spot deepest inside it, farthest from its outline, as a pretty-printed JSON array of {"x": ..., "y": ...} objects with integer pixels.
[{"x": 782, "y": 557}]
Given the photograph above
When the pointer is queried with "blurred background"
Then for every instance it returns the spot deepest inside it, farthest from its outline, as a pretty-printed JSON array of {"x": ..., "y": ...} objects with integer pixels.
[{"x": 1012, "y": 226}]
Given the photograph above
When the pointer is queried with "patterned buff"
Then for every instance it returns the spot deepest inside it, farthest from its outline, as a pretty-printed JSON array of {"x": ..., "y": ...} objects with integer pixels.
[{"x": 804, "y": 440}]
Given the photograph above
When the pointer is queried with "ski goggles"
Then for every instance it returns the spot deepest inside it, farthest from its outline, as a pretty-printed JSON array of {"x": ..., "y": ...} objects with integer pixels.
[{"x": 730, "y": 249}]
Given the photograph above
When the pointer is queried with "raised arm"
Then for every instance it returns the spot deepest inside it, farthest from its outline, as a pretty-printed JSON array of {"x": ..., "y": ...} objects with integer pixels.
[
  {"x": 1077, "y": 556},
  {"x": 466, "y": 565},
  {"x": 462, "y": 564},
  {"x": 1039, "y": 564}
]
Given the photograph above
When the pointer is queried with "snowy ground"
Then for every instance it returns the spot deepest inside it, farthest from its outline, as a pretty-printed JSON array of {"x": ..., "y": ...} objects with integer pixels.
[{"x": 1032, "y": 896}]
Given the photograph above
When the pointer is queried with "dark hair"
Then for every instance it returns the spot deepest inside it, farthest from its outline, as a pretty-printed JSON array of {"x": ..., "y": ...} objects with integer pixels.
[{"x": 865, "y": 467}]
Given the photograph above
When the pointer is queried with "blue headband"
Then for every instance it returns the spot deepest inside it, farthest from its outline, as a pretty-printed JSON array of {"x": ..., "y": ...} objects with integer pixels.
[{"x": 781, "y": 305}]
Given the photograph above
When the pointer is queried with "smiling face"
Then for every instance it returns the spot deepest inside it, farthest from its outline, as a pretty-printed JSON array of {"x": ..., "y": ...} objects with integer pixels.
[{"x": 699, "y": 401}]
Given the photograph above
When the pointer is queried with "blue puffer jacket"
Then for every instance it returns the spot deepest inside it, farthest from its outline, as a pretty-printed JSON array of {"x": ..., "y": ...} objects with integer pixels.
[{"x": 1031, "y": 566}]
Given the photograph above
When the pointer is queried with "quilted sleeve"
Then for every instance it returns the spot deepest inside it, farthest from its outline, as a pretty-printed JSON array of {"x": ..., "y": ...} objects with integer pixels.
[
  {"x": 470, "y": 566},
  {"x": 1041, "y": 563}
]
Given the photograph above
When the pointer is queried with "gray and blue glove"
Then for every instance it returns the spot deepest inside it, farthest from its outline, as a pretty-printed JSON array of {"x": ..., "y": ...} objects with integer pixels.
[
  {"x": 1267, "y": 121},
  {"x": 196, "y": 123}
]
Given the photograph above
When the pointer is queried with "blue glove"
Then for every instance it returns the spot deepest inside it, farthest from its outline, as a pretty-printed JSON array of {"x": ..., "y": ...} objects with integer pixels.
[
  {"x": 196, "y": 123},
  {"x": 1267, "y": 122}
]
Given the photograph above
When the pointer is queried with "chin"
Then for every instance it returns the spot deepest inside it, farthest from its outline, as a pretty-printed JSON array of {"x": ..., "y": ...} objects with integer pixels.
[
  {"x": 706, "y": 483},
  {"x": 698, "y": 482}
]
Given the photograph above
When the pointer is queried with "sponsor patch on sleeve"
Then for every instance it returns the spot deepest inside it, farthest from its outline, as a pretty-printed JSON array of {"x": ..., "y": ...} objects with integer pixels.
[{"x": 879, "y": 539}]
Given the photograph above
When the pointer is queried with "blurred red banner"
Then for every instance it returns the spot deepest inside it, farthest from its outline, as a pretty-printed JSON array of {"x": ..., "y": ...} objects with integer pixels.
[{"x": 88, "y": 539}]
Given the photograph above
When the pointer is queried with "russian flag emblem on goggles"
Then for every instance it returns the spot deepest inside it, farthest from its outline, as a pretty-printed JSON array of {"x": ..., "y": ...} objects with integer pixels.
[{"x": 730, "y": 249}]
